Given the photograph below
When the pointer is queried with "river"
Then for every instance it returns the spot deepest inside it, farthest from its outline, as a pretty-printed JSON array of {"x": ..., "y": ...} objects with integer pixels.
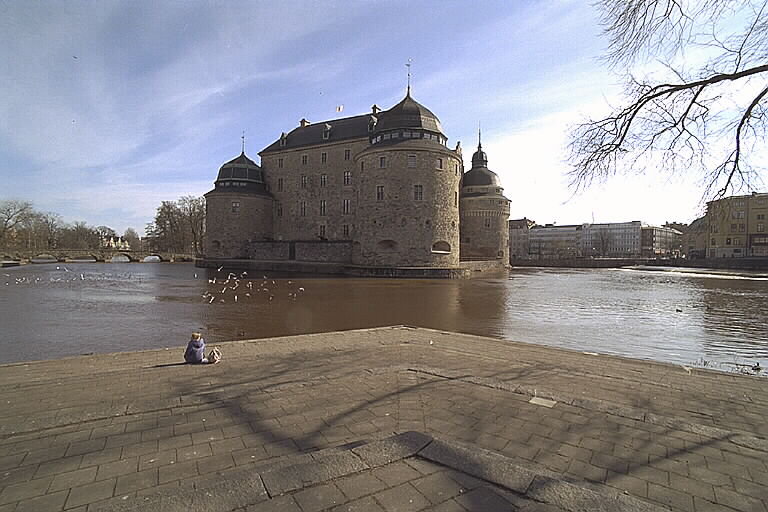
[{"x": 696, "y": 318}]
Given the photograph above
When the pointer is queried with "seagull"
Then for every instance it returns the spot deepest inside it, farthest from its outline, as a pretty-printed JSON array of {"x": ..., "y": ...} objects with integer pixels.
[{"x": 756, "y": 368}]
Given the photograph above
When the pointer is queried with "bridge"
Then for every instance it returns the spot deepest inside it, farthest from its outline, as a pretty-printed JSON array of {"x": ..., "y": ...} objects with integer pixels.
[{"x": 95, "y": 254}]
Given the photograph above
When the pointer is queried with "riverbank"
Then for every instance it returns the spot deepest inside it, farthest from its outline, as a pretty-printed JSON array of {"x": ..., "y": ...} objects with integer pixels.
[{"x": 497, "y": 422}]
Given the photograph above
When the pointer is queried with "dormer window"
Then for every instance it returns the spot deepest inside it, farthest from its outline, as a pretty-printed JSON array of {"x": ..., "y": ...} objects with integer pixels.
[
  {"x": 327, "y": 132},
  {"x": 283, "y": 139},
  {"x": 372, "y": 123}
]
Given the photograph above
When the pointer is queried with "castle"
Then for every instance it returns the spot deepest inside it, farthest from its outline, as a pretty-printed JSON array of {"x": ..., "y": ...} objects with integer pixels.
[{"x": 375, "y": 191}]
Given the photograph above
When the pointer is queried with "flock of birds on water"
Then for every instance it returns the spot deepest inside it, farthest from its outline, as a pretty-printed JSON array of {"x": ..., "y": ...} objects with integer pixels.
[
  {"x": 232, "y": 288},
  {"x": 238, "y": 287}
]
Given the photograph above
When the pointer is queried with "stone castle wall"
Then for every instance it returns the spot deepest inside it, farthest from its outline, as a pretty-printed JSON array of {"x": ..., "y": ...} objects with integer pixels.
[
  {"x": 268, "y": 251},
  {"x": 485, "y": 228},
  {"x": 398, "y": 228},
  {"x": 239, "y": 218},
  {"x": 332, "y": 252},
  {"x": 299, "y": 188}
]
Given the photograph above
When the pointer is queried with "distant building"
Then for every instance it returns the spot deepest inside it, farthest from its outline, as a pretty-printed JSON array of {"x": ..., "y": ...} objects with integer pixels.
[
  {"x": 519, "y": 238},
  {"x": 737, "y": 226},
  {"x": 605, "y": 240},
  {"x": 378, "y": 190},
  {"x": 612, "y": 239},
  {"x": 660, "y": 242},
  {"x": 555, "y": 242},
  {"x": 116, "y": 242},
  {"x": 694, "y": 239}
]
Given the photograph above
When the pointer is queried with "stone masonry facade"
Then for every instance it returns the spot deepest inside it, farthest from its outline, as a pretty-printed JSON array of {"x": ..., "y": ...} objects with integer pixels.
[{"x": 376, "y": 190}]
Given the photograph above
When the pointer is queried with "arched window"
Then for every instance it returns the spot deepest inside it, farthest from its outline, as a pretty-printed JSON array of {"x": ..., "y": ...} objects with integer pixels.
[
  {"x": 441, "y": 247},
  {"x": 387, "y": 245}
]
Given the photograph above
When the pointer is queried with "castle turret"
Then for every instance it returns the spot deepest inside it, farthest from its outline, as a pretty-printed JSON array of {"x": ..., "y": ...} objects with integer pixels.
[
  {"x": 484, "y": 212},
  {"x": 238, "y": 209},
  {"x": 408, "y": 210}
]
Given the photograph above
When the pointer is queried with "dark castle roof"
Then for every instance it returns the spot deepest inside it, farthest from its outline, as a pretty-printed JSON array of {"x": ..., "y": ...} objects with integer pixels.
[
  {"x": 479, "y": 175},
  {"x": 242, "y": 175},
  {"x": 409, "y": 113},
  {"x": 340, "y": 129}
]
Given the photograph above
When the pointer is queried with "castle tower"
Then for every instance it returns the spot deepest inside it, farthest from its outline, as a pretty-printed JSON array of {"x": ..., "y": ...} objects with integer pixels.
[
  {"x": 408, "y": 208},
  {"x": 484, "y": 212},
  {"x": 238, "y": 209}
]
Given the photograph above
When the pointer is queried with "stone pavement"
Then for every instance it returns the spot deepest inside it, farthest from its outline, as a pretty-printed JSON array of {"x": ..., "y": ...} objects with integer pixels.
[{"x": 568, "y": 430}]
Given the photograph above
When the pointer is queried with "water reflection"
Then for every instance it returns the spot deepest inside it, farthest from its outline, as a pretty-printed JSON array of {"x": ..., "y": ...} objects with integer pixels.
[{"x": 51, "y": 311}]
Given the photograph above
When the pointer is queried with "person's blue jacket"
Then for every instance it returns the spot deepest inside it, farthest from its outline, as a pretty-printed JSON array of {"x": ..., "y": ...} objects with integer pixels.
[{"x": 195, "y": 351}]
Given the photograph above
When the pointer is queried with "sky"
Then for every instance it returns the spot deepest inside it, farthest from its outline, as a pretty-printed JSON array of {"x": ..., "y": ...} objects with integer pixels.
[{"x": 108, "y": 108}]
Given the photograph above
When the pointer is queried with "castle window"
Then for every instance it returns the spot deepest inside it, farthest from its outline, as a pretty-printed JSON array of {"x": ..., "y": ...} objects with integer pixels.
[
  {"x": 760, "y": 227},
  {"x": 322, "y": 207},
  {"x": 382, "y": 162},
  {"x": 760, "y": 216},
  {"x": 362, "y": 166},
  {"x": 487, "y": 223},
  {"x": 304, "y": 159},
  {"x": 323, "y": 179},
  {"x": 345, "y": 207},
  {"x": 326, "y": 134},
  {"x": 235, "y": 206},
  {"x": 411, "y": 161},
  {"x": 387, "y": 136},
  {"x": 279, "y": 210},
  {"x": 742, "y": 227},
  {"x": 380, "y": 192},
  {"x": 303, "y": 208},
  {"x": 347, "y": 154},
  {"x": 396, "y": 135},
  {"x": 347, "y": 177},
  {"x": 279, "y": 184},
  {"x": 439, "y": 163},
  {"x": 727, "y": 241},
  {"x": 407, "y": 134},
  {"x": 441, "y": 247},
  {"x": 323, "y": 157},
  {"x": 283, "y": 139},
  {"x": 345, "y": 230},
  {"x": 418, "y": 192},
  {"x": 303, "y": 181},
  {"x": 280, "y": 163},
  {"x": 455, "y": 199},
  {"x": 322, "y": 231}
]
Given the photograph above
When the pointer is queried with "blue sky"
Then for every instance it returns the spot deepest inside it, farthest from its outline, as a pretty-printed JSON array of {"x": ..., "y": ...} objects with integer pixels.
[{"x": 108, "y": 108}]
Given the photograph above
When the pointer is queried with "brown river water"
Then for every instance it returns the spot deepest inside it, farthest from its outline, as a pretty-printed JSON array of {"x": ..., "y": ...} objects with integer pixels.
[{"x": 682, "y": 316}]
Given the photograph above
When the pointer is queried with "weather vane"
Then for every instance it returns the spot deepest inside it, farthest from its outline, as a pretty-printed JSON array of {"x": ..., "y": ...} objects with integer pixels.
[
  {"x": 243, "y": 137},
  {"x": 409, "y": 75}
]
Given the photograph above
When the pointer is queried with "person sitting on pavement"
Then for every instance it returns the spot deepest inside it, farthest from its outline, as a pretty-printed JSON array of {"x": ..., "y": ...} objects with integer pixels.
[{"x": 195, "y": 352}]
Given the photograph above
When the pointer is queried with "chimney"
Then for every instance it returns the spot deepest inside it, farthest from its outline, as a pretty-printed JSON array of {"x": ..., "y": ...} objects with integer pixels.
[
  {"x": 303, "y": 123},
  {"x": 375, "y": 109}
]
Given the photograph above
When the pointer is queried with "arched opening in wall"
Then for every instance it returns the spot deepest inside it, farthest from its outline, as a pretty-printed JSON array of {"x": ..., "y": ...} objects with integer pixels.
[
  {"x": 441, "y": 247},
  {"x": 386, "y": 245}
]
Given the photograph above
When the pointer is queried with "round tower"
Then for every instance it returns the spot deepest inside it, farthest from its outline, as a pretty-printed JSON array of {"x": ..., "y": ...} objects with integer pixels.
[
  {"x": 484, "y": 212},
  {"x": 238, "y": 210},
  {"x": 408, "y": 209}
]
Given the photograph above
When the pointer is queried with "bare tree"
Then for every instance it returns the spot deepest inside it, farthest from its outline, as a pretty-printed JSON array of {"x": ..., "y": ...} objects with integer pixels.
[
  {"x": 133, "y": 239},
  {"x": 707, "y": 112},
  {"x": 13, "y": 213},
  {"x": 193, "y": 210}
]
